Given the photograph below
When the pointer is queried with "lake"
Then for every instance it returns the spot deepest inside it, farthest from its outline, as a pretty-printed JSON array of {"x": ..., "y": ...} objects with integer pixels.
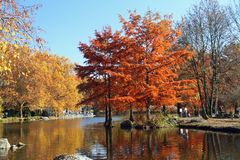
[{"x": 87, "y": 136}]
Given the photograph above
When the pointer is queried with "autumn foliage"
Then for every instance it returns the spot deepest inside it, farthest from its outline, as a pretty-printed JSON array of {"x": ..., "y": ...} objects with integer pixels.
[
  {"x": 29, "y": 76},
  {"x": 137, "y": 66},
  {"x": 38, "y": 80}
]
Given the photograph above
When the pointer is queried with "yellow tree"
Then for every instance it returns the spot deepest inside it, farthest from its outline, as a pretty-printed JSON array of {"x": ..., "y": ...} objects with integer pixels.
[
  {"x": 15, "y": 83},
  {"x": 54, "y": 83},
  {"x": 38, "y": 80},
  {"x": 16, "y": 29},
  {"x": 16, "y": 22}
]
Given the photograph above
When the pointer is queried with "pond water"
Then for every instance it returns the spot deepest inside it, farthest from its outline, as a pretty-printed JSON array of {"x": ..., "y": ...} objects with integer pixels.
[{"x": 46, "y": 139}]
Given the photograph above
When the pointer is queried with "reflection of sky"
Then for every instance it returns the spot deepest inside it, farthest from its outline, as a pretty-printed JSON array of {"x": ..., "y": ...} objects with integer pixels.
[
  {"x": 98, "y": 151},
  {"x": 95, "y": 151},
  {"x": 94, "y": 120}
]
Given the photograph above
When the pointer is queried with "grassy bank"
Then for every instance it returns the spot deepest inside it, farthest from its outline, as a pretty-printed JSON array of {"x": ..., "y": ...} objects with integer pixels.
[
  {"x": 25, "y": 119},
  {"x": 157, "y": 121},
  {"x": 212, "y": 124}
]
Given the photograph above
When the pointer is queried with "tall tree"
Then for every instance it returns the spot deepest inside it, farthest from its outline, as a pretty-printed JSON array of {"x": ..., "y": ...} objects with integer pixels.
[
  {"x": 38, "y": 81},
  {"x": 229, "y": 72},
  {"x": 135, "y": 68},
  {"x": 16, "y": 27},
  {"x": 101, "y": 70},
  {"x": 206, "y": 28},
  {"x": 155, "y": 58},
  {"x": 17, "y": 23},
  {"x": 234, "y": 16},
  {"x": 15, "y": 83},
  {"x": 53, "y": 83}
]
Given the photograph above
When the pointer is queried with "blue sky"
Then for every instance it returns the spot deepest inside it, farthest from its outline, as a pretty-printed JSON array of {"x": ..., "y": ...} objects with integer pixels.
[{"x": 67, "y": 22}]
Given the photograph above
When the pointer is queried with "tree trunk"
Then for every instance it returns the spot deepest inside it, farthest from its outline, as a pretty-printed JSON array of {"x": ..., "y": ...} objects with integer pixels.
[
  {"x": 208, "y": 109},
  {"x": 178, "y": 109},
  {"x": 196, "y": 74},
  {"x": 109, "y": 104},
  {"x": 236, "y": 108},
  {"x": 148, "y": 101},
  {"x": 110, "y": 117},
  {"x": 21, "y": 110},
  {"x": 212, "y": 95},
  {"x": 131, "y": 114},
  {"x": 164, "y": 110},
  {"x": 216, "y": 101},
  {"x": 148, "y": 113},
  {"x": 214, "y": 80},
  {"x": 106, "y": 112}
]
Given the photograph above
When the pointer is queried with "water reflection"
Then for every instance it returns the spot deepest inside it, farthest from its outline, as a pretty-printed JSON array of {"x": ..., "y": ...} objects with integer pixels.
[{"x": 48, "y": 139}]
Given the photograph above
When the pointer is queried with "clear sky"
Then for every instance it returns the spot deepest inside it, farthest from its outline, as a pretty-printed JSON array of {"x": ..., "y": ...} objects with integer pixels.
[{"x": 67, "y": 22}]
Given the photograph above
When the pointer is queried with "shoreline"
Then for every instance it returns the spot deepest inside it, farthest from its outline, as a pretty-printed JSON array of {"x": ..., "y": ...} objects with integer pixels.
[
  {"x": 29, "y": 119},
  {"x": 36, "y": 118},
  {"x": 212, "y": 124},
  {"x": 197, "y": 123}
]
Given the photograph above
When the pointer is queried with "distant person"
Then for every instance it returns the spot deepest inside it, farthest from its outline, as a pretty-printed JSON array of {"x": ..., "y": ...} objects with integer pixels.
[
  {"x": 185, "y": 112},
  {"x": 180, "y": 110}
]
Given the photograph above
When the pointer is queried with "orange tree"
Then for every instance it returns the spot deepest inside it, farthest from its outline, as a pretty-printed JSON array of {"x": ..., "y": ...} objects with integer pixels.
[
  {"x": 156, "y": 60},
  {"x": 102, "y": 72},
  {"x": 137, "y": 67}
]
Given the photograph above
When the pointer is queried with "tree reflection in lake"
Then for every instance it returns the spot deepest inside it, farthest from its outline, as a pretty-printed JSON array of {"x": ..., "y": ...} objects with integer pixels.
[{"x": 45, "y": 140}]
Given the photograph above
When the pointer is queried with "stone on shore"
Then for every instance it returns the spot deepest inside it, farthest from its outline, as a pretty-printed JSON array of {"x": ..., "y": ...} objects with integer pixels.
[
  {"x": 71, "y": 157},
  {"x": 45, "y": 118},
  {"x": 20, "y": 144},
  {"x": 4, "y": 147},
  {"x": 14, "y": 147},
  {"x": 4, "y": 144},
  {"x": 127, "y": 124},
  {"x": 4, "y": 152}
]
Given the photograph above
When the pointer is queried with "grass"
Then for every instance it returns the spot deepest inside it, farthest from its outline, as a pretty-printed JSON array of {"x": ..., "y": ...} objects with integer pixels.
[
  {"x": 18, "y": 119},
  {"x": 157, "y": 121}
]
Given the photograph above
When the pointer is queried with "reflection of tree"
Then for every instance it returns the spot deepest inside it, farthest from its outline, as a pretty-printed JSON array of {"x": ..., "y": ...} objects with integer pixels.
[
  {"x": 219, "y": 146},
  {"x": 48, "y": 139},
  {"x": 1, "y": 130},
  {"x": 108, "y": 134},
  {"x": 149, "y": 144}
]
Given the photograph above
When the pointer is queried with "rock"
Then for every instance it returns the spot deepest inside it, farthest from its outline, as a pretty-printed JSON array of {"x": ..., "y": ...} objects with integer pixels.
[
  {"x": 71, "y": 157},
  {"x": 127, "y": 124},
  {"x": 65, "y": 157},
  {"x": 4, "y": 152},
  {"x": 44, "y": 118},
  {"x": 4, "y": 144},
  {"x": 139, "y": 126},
  {"x": 4, "y": 147},
  {"x": 14, "y": 147},
  {"x": 236, "y": 116},
  {"x": 20, "y": 144}
]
